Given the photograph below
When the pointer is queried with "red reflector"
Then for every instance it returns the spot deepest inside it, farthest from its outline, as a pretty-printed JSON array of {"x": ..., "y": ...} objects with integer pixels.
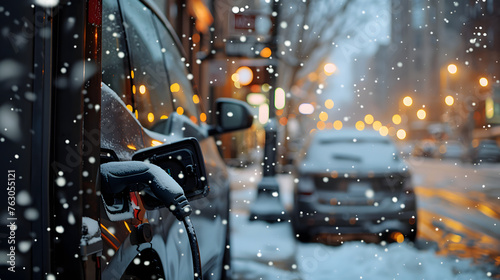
[
  {"x": 305, "y": 193},
  {"x": 94, "y": 12}
]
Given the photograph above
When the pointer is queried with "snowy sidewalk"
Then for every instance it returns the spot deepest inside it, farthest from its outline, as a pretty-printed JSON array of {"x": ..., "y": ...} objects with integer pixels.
[{"x": 259, "y": 250}]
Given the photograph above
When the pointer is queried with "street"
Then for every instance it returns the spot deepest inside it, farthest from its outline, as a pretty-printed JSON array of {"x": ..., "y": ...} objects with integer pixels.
[
  {"x": 457, "y": 235},
  {"x": 459, "y": 207}
]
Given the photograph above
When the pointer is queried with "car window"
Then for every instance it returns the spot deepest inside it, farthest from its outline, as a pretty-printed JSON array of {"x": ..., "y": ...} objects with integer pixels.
[
  {"x": 150, "y": 83},
  {"x": 184, "y": 98},
  {"x": 332, "y": 141},
  {"x": 358, "y": 149},
  {"x": 115, "y": 63}
]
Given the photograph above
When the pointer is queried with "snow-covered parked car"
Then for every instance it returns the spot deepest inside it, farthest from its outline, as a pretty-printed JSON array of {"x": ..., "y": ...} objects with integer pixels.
[
  {"x": 352, "y": 185},
  {"x": 486, "y": 151},
  {"x": 450, "y": 150}
]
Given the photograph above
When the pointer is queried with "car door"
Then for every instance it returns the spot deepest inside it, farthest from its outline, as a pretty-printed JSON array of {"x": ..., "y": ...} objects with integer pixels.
[
  {"x": 145, "y": 68},
  {"x": 187, "y": 120}
]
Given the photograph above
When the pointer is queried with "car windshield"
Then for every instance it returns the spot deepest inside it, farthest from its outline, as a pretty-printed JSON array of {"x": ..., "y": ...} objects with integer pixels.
[
  {"x": 358, "y": 152},
  {"x": 355, "y": 141}
]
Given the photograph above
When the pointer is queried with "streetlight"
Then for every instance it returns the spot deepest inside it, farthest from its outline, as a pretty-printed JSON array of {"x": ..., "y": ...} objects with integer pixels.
[
  {"x": 360, "y": 125},
  {"x": 323, "y": 116},
  {"x": 329, "y": 69},
  {"x": 452, "y": 68},
  {"x": 337, "y": 125},
  {"x": 421, "y": 114},
  {"x": 267, "y": 206},
  {"x": 483, "y": 82},
  {"x": 407, "y": 101},
  {"x": 244, "y": 75},
  {"x": 401, "y": 134},
  {"x": 449, "y": 100},
  {"x": 384, "y": 130},
  {"x": 329, "y": 104},
  {"x": 369, "y": 119},
  {"x": 396, "y": 119}
]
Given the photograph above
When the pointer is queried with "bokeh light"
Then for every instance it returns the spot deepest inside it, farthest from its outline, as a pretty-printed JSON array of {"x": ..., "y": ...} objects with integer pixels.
[
  {"x": 483, "y": 82},
  {"x": 396, "y": 119},
  {"x": 245, "y": 75},
  {"x": 369, "y": 119},
  {"x": 323, "y": 116},
  {"x": 421, "y": 114},
  {"x": 279, "y": 98},
  {"x": 329, "y": 68},
  {"x": 407, "y": 101},
  {"x": 329, "y": 104},
  {"x": 337, "y": 125},
  {"x": 306, "y": 108},
  {"x": 266, "y": 52},
  {"x": 449, "y": 100},
  {"x": 452, "y": 69},
  {"x": 401, "y": 134},
  {"x": 383, "y": 130},
  {"x": 360, "y": 125}
]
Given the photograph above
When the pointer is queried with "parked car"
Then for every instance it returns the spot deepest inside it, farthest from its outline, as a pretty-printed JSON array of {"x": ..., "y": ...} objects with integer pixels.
[
  {"x": 424, "y": 148},
  {"x": 353, "y": 185},
  {"x": 86, "y": 84},
  {"x": 486, "y": 151},
  {"x": 450, "y": 150}
]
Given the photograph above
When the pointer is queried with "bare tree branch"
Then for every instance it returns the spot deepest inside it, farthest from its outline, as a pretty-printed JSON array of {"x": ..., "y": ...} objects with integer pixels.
[{"x": 313, "y": 27}]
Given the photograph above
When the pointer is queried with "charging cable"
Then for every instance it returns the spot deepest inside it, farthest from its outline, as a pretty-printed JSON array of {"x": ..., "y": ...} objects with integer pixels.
[{"x": 130, "y": 176}]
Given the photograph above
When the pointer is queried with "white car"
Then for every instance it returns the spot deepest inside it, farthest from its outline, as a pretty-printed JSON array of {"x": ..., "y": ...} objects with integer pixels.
[{"x": 353, "y": 185}]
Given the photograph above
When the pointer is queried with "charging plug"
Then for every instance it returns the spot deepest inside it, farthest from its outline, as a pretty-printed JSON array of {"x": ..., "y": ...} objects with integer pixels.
[{"x": 127, "y": 176}]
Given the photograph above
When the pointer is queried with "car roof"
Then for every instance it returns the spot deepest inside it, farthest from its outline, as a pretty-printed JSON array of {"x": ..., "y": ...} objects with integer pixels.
[{"x": 348, "y": 133}]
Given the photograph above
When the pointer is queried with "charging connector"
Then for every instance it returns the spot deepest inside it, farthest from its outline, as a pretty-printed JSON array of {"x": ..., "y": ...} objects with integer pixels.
[{"x": 129, "y": 176}]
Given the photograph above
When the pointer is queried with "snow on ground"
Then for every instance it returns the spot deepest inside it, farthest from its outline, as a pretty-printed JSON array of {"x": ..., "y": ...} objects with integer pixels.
[
  {"x": 269, "y": 251},
  {"x": 356, "y": 260},
  {"x": 262, "y": 250}
]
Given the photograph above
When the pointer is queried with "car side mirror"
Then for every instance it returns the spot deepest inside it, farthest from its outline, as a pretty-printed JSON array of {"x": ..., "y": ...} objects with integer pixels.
[{"x": 231, "y": 114}]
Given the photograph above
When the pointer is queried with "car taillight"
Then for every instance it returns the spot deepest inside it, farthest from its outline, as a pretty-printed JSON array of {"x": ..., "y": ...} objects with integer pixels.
[
  {"x": 94, "y": 12},
  {"x": 305, "y": 186},
  {"x": 306, "y": 192}
]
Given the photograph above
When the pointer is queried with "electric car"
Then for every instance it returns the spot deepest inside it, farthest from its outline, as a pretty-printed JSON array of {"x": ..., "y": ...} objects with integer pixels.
[
  {"x": 92, "y": 83},
  {"x": 147, "y": 100}
]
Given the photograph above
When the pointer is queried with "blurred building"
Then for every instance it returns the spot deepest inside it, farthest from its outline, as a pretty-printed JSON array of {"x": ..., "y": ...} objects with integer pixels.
[
  {"x": 425, "y": 35},
  {"x": 220, "y": 37},
  {"x": 482, "y": 47},
  {"x": 438, "y": 53}
]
